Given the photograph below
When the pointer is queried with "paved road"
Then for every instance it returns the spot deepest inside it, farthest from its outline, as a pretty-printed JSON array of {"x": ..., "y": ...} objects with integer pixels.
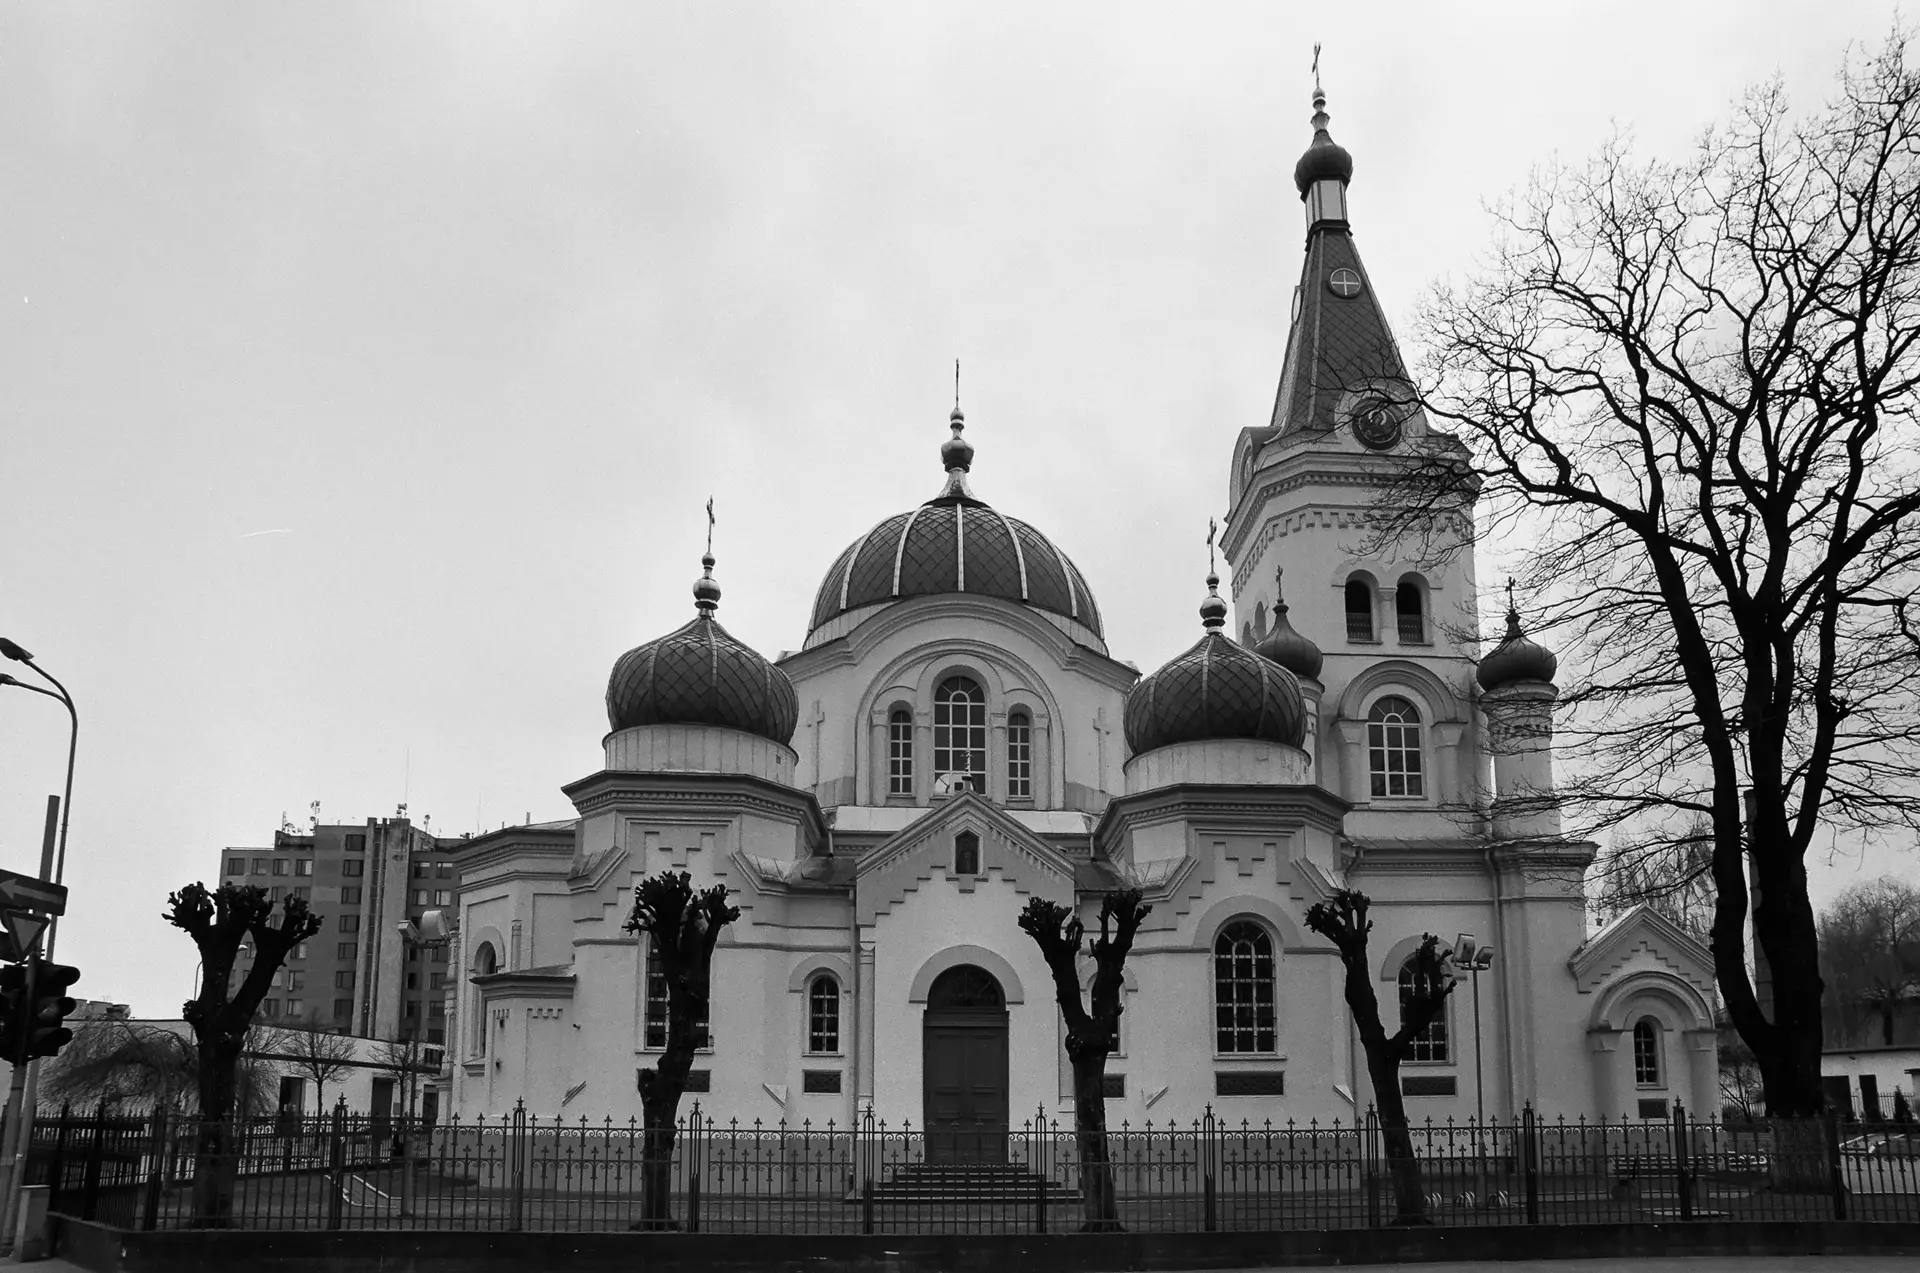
[{"x": 1695, "y": 1264}]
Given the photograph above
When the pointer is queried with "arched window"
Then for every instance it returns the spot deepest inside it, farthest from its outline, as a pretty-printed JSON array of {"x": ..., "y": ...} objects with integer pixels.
[
  {"x": 900, "y": 752},
  {"x": 823, "y": 1014},
  {"x": 485, "y": 964},
  {"x": 1432, "y": 1043},
  {"x": 1243, "y": 989},
  {"x": 655, "y": 1026},
  {"x": 966, "y": 854},
  {"x": 1019, "y": 756},
  {"x": 960, "y": 734},
  {"x": 1646, "y": 1052},
  {"x": 1393, "y": 748},
  {"x": 1359, "y": 609},
  {"x": 1411, "y": 611}
]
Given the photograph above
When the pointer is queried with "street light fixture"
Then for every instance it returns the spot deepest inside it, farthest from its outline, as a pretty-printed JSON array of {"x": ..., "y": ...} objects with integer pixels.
[{"x": 1469, "y": 954}]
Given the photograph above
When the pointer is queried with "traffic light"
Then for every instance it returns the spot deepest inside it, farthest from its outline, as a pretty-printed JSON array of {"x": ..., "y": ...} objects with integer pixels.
[
  {"x": 13, "y": 1010},
  {"x": 46, "y": 1029}
]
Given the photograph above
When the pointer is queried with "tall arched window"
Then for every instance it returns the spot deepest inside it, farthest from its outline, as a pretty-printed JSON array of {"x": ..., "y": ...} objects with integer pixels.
[
  {"x": 1359, "y": 609},
  {"x": 1432, "y": 1043},
  {"x": 900, "y": 752},
  {"x": 1410, "y": 609},
  {"x": 960, "y": 733},
  {"x": 485, "y": 964},
  {"x": 655, "y": 1026},
  {"x": 1019, "y": 756},
  {"x": 823, "y": 1014},
  {"x": 1243, "y": 989},
  {"x": 1393, "y": 748},
  {"x": 1646, "y": 1052}
]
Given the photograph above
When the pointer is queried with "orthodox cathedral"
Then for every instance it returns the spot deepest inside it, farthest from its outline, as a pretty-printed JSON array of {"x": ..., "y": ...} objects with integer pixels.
[{"x": 954, "y": 736}]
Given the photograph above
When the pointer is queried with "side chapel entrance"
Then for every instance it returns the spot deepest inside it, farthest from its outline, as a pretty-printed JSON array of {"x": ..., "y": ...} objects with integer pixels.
[{"x": 964, "y": 1067}]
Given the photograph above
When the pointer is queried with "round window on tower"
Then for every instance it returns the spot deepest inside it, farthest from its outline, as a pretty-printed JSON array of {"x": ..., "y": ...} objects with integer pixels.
[
  {"x": 1376, "y": 422},
  {"x": 1344, "y": 283}
]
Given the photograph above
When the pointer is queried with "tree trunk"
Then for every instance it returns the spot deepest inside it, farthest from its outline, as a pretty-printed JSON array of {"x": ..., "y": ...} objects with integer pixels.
[
  {"x": 658, "y": 1116},
  {"x": 1403, "y": 1168},
  {"x": 216, "y": 1164},
  {"x": 1090, "y": 1141}
]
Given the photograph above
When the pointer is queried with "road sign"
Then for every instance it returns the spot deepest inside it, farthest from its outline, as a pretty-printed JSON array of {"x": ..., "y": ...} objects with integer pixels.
[
  {"x": 19, "y": 934},
  {"x": 26, "y": 893}
]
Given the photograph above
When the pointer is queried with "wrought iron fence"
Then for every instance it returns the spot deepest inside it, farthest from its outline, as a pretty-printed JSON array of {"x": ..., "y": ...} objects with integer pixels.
[{"x": 522, "y": 1172}]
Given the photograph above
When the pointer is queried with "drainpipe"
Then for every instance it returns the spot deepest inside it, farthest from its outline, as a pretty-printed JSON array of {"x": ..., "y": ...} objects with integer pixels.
[{"x": 853, "y": 1017}]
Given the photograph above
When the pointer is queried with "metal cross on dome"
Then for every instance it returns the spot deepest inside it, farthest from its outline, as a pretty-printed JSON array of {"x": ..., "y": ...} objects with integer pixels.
[{"x": 1344, "y": 283}]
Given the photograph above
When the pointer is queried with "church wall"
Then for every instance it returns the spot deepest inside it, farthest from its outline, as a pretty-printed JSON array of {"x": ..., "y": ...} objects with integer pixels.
[
  {"x": 936, "y": 918},
  {"x": 607, "y": 1006}
]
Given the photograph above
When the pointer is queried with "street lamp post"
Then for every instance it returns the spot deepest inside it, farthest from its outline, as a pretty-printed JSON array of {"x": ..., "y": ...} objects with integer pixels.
[
  {"x": 430, "y": 932},
  {"x": 19, "y": 1113},
  {"x": 1469, "y": 954}
]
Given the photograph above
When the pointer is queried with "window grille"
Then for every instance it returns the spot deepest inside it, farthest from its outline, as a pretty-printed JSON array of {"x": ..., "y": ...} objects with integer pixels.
[
  {"x": 1393, "y": 748},
  {"x": 1243, "y": 989},
  {"x": 823, "y": 1015},
  {"x": 900, "y": 753},
  {"x": 1359, "y": 610},
  {"x": 1646, "y": 1054},
  {"x": 1432, "y": 1043},
  {"x": 960, "y": 733},
  {"x": 655, "y": 1028},
  {"x": 1019, "y": 757},
  {"x": 1411, "y": 614}
]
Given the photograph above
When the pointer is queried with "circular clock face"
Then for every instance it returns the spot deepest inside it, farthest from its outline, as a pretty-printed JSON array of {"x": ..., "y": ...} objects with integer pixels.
[{"x": 1376, "y": 422}]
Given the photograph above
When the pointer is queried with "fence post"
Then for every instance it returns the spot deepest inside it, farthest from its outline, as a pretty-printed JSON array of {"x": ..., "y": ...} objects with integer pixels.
[
  {"x": 337, "y": 1164},
  {"x": 1370, "y": 1154},
  {"x": 156, "y": 1172},
  {"x": 866, "y": 1151},
  {"x": 1835, "y": 1176},
  {"x": 696, "y": 1129},
  {"x": 1209, "y": 1213},
  {"x": 517, "y": 1152},
  {"x": 1682, "y": 1175},
  {"x": 1530, "y": 1161},
  {"x": 1040, "y": 1157}
]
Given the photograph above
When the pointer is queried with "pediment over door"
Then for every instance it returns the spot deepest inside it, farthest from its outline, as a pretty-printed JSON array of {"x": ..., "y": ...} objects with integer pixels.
[{"x": 1007, "y": 851}]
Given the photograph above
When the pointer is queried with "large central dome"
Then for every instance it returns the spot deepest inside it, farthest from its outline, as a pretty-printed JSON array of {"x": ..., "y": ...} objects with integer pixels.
[{"x": 955, "y": 543}]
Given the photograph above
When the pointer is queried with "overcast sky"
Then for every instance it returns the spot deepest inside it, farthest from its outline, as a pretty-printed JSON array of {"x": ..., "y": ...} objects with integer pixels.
[{"x": 469, "y": 308}]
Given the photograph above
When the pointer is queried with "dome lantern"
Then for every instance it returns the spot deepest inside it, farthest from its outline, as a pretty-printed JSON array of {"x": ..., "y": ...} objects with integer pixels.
[
  {"x": 1518, "y": 657},
  {"x": 1297, "y": 653},
  {"x": 1326, "y": 168}
]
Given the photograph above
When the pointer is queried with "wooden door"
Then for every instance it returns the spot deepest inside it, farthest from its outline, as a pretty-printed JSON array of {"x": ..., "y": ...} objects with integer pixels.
[{"x": 965, "y": 1067}]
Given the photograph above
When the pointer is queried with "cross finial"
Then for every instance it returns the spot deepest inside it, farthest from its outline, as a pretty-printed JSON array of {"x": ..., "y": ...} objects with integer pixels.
[
  {"x": 1316, "y": 68},
  {"x": 1279, "y": 589},
  {"x": 709, "y": 525},
  {"x": 1511, "y": 608},
  {"x": 1213, "y": 529},
  {"x": 956, "y": 384}
]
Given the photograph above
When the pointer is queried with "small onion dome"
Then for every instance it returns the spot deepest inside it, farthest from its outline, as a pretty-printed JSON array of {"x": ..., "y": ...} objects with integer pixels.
[
  {"x": 1518, "y": 657},
  {"x": 1286, "y": 647},
  {"x": 1217, "y": 689},
  {"x": 1325, "y": 159},
  {"x": 700, "y": 675},
  {"x": 956, "y": 452}
]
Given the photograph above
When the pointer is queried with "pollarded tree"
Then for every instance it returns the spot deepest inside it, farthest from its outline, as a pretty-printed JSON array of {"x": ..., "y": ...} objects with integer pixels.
[
  {"x": 1092, "y": 1030},
  {"x": 1343, "y": 921},
  {"x": 219, "y": 922},
  {"x": 1692, "y": 391},
  {"x": 682, "y": 926}
]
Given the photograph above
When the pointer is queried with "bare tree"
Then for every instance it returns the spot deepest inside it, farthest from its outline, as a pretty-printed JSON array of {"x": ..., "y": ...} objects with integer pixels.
[
  {"x": 1343, "y": 921},
  {"x": 218, "y": 922},
  {"x": 1672, "y": 875},
  {"x": 1690, "y": 388},
  {"x": 1739, "y": 1078},
  {"x": 1870, "y": 948},
  {"x": 683, "y": 925},
  {"x": 1092, "y": 1031},
  {"x": 318, "y": 1054},
  {"x": 116, "y": 1060}
]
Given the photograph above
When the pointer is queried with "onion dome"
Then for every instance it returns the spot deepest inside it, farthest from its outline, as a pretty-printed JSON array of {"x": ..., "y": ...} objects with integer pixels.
[
  {"x": 1518, "y": 657},
  {"x": 955, "y": 543},
  {"x": 1283, "y": 645},
  {"x": 1325, "y": 159},
  {"x": 1217, "y": 689},
  {"x": 700, "y": 675}
]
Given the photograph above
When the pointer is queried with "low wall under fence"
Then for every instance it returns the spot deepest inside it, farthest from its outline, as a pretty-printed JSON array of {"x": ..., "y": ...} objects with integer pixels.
[{"x": 524, "y": 1172}]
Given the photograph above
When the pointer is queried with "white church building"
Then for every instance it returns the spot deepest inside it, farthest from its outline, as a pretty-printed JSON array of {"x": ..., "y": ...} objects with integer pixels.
[{"x": 954, "y": 736}]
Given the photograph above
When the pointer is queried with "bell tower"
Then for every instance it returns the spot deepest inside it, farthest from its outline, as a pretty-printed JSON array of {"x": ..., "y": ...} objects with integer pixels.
[{"x": 1302, "y": 489}]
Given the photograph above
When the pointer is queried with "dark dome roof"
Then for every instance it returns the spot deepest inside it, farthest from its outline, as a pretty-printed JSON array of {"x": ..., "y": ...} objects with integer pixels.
[
  {"x": 700, "y": 675},
  {"x": 1217, "y": 689},
  {"x": 1325, "y": 159},
  {"x": 955, "y": 543},
  {"x": 1518, "y": 657},
  {"x": 1285, "y": 646}
]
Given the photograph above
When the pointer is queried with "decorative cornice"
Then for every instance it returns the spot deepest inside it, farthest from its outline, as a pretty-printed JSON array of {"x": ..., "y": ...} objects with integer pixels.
[
  {"x": 1310, "y": 805},
  {"x": 613, "y": 788}
]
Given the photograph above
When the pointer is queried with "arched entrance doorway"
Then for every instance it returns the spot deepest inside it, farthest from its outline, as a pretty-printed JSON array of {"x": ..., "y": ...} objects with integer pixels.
[{"x": 964, "y": 1067}]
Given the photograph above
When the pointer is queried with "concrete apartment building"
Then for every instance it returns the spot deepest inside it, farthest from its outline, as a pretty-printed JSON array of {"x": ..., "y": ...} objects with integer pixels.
[{"x": 358, "y": 976}]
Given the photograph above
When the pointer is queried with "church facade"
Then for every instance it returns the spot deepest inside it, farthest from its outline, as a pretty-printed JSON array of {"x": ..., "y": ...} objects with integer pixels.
[{"x": 954, "y": 737}]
